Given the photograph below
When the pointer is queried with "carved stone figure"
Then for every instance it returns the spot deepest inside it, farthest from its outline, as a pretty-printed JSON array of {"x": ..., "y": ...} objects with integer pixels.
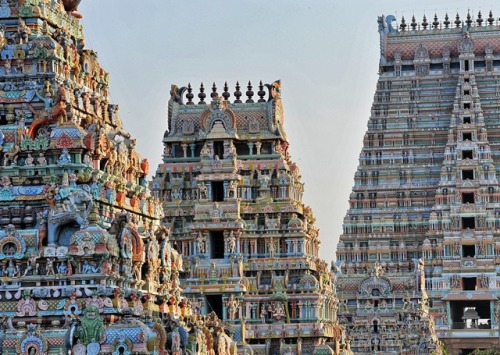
[{"x": 91, "y": 328}]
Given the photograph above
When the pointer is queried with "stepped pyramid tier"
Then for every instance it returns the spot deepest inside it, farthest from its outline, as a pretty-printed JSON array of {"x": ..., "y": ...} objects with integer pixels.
[
  {"x": 232, "y": 198},
  {"x": 85, "y": 266},
  {"x": 425, "y": 205}
]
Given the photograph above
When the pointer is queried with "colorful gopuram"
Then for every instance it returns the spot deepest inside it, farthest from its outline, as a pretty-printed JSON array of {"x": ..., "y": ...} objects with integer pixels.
[
  {"x": 232, "y": 199},
  {"x": 421, "y": 236},
  {"x": 85, "y": 266}
]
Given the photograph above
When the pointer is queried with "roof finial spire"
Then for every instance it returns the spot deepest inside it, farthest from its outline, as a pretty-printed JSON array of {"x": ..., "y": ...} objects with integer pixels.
[
  {"x": 446, "y": 21},
  {"x": 249, "y": 92},
  {"x": 424, "y": 22},
  {"x": 479, "y": 19},
  {"x": 202, "y": 95},
  {"x": 226, "y": 93},
  {"x": 214, "y": 93},
  {"x": 189, "y": 95},
  {"x": 491, "y": 19},
  {"x": 413, "y": 23},
  {"x": 403, "y": 24},
  {"x": 435, "y": 23},
  {"x": 457, "y": 20},
  {"x": 469, "y": 20},
  {"x": 237, "y": 93}
]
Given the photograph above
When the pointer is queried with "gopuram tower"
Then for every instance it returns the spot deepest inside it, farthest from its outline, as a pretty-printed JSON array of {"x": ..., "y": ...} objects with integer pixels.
[
  {"x": 85, "y": 267},
  {"x": 421, "y": 236},
  {"x": 232, "y": 198}
]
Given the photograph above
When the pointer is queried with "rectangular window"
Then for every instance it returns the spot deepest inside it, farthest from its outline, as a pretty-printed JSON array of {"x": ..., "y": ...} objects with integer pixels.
[
  {"x": 468, "y": 283},
  {"x": 216, "y": 245},
  {"x": 468, "y": 222},
  {"x": 467, "y": 106},
  {"x": 219, "y": 149},
  {"x": 214, "y": 304},
  {"x": 466, "y": 154},
  {"x": 466, "y": 120},
  {"x": 467, "y": 136},
  {"x": 466, "y": 92},
  {"x": 468, "y": 250},
  {"x": 467, "y": 197},
  {"x": 217, "y": 191},
  {"x": 468, "y": 174}
]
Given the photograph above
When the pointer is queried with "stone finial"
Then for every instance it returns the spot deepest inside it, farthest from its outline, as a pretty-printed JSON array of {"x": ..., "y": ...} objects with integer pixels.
[
  {"x": 413, "y": 23},
  {"x": 479, "y": 19},
  {"x": 71, "y": 5},
  {"x": 189, "y": 95},
  {"x": 458, "y": 22},
  {"x": 202, "y": 95},
  {"x": 469, "y": 19},
  {"x": 226, "y": 93},
  {"x": 237, "y": 93},
  {"x": 435, "y": 23},
  {"x": 425, "y": 23},
  {"x": 261, "y": 92},
  {"x": 491, "y": 19},
  {"x": 214, "y": 93},
  {"x": 249, "y": 93},
  {"x": 403, "y": 24},
  {"x": 446, "y": 21}
]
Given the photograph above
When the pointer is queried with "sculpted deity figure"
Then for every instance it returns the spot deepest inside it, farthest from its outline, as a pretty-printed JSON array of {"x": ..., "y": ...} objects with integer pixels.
[
  {"x": 32, "y": 264},
  {"x": 29, "y": 160},
  {"x": 64, "y": 158},
  {"x": 91, "y": 328},
  {"x": 201, "y": 243},
  {"x": 231, "y": 243},
  {"x": 12, "y": 269},
  {"x": 232, "y": 305},
  {"x": 41, "y": 159}
]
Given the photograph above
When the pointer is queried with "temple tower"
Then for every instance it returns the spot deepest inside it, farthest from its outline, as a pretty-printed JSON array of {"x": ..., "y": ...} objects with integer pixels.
[
  {"x": 232, "y": 198},
  {"x": 424, "y": 208},
  {"x": 83, "y": 259}
]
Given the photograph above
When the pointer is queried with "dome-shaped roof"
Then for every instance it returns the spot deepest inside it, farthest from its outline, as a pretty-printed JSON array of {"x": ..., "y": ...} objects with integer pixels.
[{"x": 308, "y": 281}]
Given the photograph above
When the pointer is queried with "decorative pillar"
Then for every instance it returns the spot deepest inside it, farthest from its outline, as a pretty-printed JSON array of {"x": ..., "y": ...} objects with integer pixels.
[
  {"x": 250, "y": 148},
  {"x": 192, "y": 147},
  {"x": 184, "y": 149},
  {"x": 258, "y": 145}
]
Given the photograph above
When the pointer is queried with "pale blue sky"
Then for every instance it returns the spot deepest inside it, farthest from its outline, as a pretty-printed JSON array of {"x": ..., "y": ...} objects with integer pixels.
[{"x": 325, "y": 52}]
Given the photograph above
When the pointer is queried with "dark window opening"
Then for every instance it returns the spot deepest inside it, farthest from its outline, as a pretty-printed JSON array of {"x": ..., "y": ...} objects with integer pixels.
[
  {"x": 217, "y": 191},
  {"x": 214, "y": 303},
  {"x": 467, "y": 106},
  {"x": 467, "y": 197},
  {"x": 467, "y": 174},
  {"x": 219, "y": 149},
  {"x": 466, "y": 154},
  {"x": 466, "y": 92},
  {"x": 216, "y": 245},
  {"x": 466, "y": 120},
  {"x": 375, "y": 326},
  {"x": 466, "y": 80},
  {"x": 467, "y": 136},
  {"x": 468, "y": 222},
  {"x": 468, "y": 250},
  {"x": 468, "y": 283},
  {"x": 466, "y": 65},
  {"x": 242, "y": 149}
]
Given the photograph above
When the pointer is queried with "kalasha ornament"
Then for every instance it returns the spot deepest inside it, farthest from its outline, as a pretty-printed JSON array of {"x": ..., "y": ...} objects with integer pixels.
[{"x": 71, "y": 5}]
